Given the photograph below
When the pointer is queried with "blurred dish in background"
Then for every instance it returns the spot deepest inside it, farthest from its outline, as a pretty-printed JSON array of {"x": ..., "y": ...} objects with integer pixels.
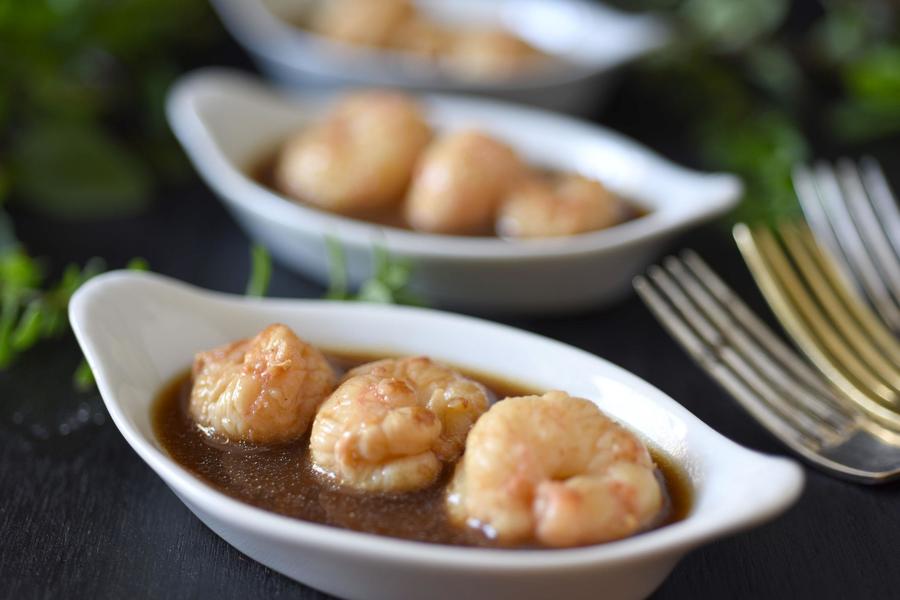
[
  {"x": 227, "y": 122},
  {"x": 467, "y": 51},
  {"x": 552, "y": 53}
]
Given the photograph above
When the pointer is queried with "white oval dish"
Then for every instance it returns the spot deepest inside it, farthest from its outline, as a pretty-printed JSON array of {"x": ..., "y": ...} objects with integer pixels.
[
  {"x": 140, "y": 330},
  {"x": 587, "y": 40},
  {"x": 227, "y": 121}
]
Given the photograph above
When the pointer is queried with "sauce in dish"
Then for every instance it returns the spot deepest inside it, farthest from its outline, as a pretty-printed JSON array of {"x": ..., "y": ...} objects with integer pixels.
[{"x": 283, "y": 478}]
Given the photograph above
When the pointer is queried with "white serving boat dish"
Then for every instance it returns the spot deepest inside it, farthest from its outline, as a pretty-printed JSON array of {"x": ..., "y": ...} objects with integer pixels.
[
  {"x": 140, "y": 330},
  {"x": 227, "y": 122},
  {"x": 586, "y": 40}
]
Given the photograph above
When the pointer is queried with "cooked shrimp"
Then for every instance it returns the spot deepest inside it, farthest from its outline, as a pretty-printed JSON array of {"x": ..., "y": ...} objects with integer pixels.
[
  {"x": 571, "y": 204},
  {"x": 491, "y": 54},
  {"x": 421, "y": 36},
  {"x": 360, "y": 157},
  {"x": 263, "y": 390},
  {"x": 366, "y": 22},
  {"x": 393, "y": 424},
  {"x": 556, "y": 470},
  {"x": 459, "y": 183},
  {"x": 456, "y": 400}
]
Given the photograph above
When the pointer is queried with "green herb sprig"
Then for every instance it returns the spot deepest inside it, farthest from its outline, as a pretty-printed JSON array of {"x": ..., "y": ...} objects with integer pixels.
[
  {"x": 260, "y": 271},
  {"x": 82, "y": 126},
  {"x": 753, "y": 94},
  {"x": 32, "y": 310},
  {"x": 389, "y": 283}
]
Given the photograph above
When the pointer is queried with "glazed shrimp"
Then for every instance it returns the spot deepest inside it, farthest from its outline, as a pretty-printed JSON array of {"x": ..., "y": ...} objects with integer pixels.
[
  {"x": 482, "y": 54},
  {"x": 456, "y": 400},
  {"x": 393, "y": 424},
  {"x": 361, "y": 157},
  {"x": 422, "y": 37},
  {"x": 571, "y": 204},
  {"x": 366, "y": 22},
  {"x": 261, "y": 390},
  {"x": 556, "y": 470},
  {"x": 459, "y": 183}
]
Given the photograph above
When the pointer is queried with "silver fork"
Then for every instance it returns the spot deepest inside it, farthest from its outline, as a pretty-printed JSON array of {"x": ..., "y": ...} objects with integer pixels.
[
  {"x": 853, "y": 212},
  {"x": 771, "y": 381}
]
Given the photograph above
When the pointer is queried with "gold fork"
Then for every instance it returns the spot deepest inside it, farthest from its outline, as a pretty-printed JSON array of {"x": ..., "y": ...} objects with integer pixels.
[
  {"x": 771, "y": 381},
  {"x": 826, "y": 316},
  {"x": 853, "y": 213}
]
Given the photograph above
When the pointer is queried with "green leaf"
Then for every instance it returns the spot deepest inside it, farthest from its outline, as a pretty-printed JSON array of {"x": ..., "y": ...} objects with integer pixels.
[
  {"x": 8, "y": 310},
  {"x": 733, "y": 24},
  {"x": 19, "y": 271},
  {"x": 387, "y": 285},
  {"x": 338, "y": 285},
  {"x": 260, "y": 271},
  {"x": 842, "y": 30},
  {"x": 772, "y": 67},
  {"x": 83, "y": 377},
  {"x": 75, "y": 171},
  {"x": 28, "y": 331},
  {"x": 855, "y": 121},
  {"x": 375, "y": 290},
  {"x": 138, "y": 264},
  {"x": 874, "y": 78}
]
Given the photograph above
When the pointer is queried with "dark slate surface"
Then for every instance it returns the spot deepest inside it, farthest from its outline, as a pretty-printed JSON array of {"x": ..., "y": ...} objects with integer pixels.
[{"x": 82, "y": 517}]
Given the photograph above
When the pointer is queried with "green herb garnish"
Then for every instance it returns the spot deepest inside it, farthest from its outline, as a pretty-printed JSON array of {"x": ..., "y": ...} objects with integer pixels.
[
  {"x": 753, "y": 94},
  {"x": 260, "y": 271},
  {"x": 389, "y": 283}
]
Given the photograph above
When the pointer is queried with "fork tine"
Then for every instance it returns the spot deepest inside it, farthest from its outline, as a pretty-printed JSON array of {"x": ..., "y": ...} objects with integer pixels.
[
  {"x": 874, "y": 327},
  {"x": 828, "y": 337},
  {"x": 861, "y": 451},
  {"x": 751, "y": 322},
  {"x": 883, "y": 200},
  {"x": 829, "y": 299},
  {"x": 835, "y": 413},
  {"x": 708, "y": 359},
  {"x": 861, "y": 207},
  {"x": 852, "y": 245},
  {"x": 814, "y": 212},
  {"x": 812, "y": 427},
  {"x": 792, "y": 321}
]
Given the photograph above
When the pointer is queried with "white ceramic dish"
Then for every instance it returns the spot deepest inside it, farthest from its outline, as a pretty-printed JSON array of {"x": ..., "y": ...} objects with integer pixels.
[
  {"x": 227, "y": 121},
  {"x": 139, "y": 330},
  {"x": 588, "y": 39}
]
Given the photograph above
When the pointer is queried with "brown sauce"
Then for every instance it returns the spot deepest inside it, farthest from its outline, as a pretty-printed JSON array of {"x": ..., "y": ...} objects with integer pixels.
[
  {"x": 281, "y": 479},
  {"x": 263, "y": 172}
]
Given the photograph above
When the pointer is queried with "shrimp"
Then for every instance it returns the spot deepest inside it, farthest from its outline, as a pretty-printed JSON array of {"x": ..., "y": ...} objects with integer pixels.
[
  {"x": 571, "y": 204},
  {"x": 456, "y": 400},
  {"x": 481, "y": 54},
  {"x": 361, "y": 157},
  {"x": 261, "y": 390},
  {"x": 421, "y": 37},
  {"x": 365, "y": 22},
  {"x": 459, "y": 183},
  {"x": 392, "y": 424},
  {"x": 556, "y": 470}
]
